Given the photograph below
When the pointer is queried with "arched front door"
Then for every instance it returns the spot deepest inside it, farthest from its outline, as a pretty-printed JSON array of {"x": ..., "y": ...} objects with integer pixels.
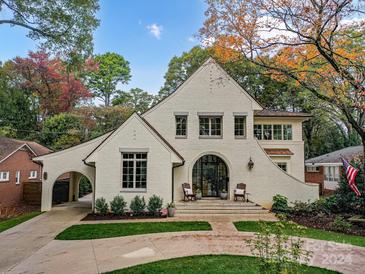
[{"x": 210, "y": 175}]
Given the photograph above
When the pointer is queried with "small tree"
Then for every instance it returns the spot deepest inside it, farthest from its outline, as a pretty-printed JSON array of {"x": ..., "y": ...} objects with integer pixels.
[
  {"x": 277, "y": 252},
  {"x": 101, "y": 206},
  {"x": 118, "y": 205},
  {"x": 154, "y": 204},
  {"x": 138, "y": 205}
]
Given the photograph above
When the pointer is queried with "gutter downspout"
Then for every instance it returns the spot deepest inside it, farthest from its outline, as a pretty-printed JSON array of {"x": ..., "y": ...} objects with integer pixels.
[{"x": 173, "y": 180}]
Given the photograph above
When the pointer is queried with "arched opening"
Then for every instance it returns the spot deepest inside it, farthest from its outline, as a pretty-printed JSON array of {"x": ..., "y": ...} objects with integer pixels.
[
  {"x": 210, "y": 175},
  {"x": 72, "y": 187}
]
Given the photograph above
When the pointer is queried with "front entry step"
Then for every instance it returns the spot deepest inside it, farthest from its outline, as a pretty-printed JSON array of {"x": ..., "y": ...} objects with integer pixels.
[{"x": 218, "y": 207}]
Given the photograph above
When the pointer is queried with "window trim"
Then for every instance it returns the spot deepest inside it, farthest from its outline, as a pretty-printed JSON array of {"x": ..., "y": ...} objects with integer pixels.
[
  {"x": 210, "y": 117},
  {"x": 17, "y": 177},
  {"x": 7, "y": 176},
  {"x": 261, "y": 125},
  {"x": 133, "y": 151},
  {"x": 31, "y": 176},
  {"x": 186, "y": 126},
  {"x": 244, "y": 136}
]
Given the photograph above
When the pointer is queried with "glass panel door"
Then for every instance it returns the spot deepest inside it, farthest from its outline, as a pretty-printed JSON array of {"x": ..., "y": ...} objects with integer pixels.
[{"x": 210, "y": 176}]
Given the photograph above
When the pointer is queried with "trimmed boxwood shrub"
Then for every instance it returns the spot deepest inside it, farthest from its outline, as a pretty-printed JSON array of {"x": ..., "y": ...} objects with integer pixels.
[
  {"x": 118, "y": 205},
  {"x": 154, "y": 204},
  {"x": 138, "y": 205},
  {"x": 101, "y": 206},
  {"x": 280, "y": 204}
]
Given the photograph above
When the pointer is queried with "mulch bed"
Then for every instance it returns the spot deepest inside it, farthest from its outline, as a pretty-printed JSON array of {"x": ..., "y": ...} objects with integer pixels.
[
  {"x": 324, "y": 223},
  {"x": 14, "y": 211},
  {"x": 127, "y": 216}
]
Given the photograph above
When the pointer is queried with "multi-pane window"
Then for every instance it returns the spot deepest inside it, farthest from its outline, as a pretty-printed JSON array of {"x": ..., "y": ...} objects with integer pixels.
[
  {"x": 273, "y": 132},
  {"x": 267, "y": 132},
  {"x": 181, "y": 122},
  {"x": 257, "y": 131},
  {"x": 283, "y": 166},
  {"x": 4, "y": 176},
  {"x": 278, "y": 132},
  {"x": 210, "y": 126},
  {"x": 240, "y": 126},
  {"x": 287, "y": 132},
  {"x": 134, "y": 170},
  {"x": 331, "y": 173},
  {"x": 312, "y": 168}
]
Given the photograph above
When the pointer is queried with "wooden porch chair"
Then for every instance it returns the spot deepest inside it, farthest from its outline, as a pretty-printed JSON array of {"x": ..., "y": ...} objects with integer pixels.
[
  {"x": 238, "y": 194},
  {"x": 188, "y": 196}
]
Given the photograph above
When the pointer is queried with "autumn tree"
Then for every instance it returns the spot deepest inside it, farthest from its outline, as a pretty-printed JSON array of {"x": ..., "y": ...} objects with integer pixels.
[
  {"x": 317, "y": 44},
  {"x": 60, "y": 25},
  {"x": 54, "y": 88},
  {"x": 135, "y": 98},
  {"x": 112, "y": 70}
]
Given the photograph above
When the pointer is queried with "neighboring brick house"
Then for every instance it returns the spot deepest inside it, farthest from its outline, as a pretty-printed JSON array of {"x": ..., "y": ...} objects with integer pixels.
[
  {"x": 17, "y": 168},
  {"x": 325, "y": 170}
]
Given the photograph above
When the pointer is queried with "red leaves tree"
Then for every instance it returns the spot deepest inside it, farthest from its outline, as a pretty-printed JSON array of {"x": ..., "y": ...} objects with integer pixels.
[{"x": 55, "y": 88}]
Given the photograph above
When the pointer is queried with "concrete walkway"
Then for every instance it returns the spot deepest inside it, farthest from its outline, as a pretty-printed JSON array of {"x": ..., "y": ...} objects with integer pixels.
[
  {"x": 22, "y": 241},
  {"x": 96, "y": 256}
]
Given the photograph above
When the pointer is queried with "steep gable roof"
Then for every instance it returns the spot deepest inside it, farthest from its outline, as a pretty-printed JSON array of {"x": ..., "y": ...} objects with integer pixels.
[
  {"x": 8, "y": 146},
  {"x": 148, "y": 125},
  {"x": 210, "y": 60}
]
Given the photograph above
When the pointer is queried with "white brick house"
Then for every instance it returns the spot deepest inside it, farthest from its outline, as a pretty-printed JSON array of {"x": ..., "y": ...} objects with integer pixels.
[{"x": 205, "y": 134}]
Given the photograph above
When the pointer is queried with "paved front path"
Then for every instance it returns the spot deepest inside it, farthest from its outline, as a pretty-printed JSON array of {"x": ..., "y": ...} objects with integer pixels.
[
  {"x": 96, "y": 256},
  {"x": 22, "y": 241}
]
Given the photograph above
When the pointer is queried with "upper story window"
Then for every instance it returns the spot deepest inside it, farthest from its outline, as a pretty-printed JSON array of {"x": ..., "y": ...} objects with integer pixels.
[
  {"x": 273, "y": 132},
  {"x": 210, "y": 126},
  {"x": 240, "y": 126},
  {"x": 181, "y": 125},
  {"x": 283, "y": 166},
  {"x": 33, "y": 174},
  {"x": 134, "y": 171},
  {"x": 17, "y": 177},
  {"x": 4, "y": 176}
]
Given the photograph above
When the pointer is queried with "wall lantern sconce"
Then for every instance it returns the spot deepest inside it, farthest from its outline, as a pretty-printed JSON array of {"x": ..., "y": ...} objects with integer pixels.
[
  {"x": 45, "y": 175},
  {"x": 250, "y": 164}
]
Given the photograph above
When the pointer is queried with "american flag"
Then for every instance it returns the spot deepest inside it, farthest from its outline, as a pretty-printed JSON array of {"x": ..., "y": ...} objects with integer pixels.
[{"x": 351, "y": 173}]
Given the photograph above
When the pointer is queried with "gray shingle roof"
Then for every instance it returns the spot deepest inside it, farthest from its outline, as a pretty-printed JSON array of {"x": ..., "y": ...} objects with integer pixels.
[{"x": 335, "y": 156}]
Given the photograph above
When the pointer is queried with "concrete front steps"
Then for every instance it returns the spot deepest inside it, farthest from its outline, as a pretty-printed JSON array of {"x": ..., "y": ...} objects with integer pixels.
[{"x": 217, "y": 206}]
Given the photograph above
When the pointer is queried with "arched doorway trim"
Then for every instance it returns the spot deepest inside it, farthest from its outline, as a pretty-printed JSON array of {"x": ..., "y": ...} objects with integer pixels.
[{"x": 210, "y": 174}]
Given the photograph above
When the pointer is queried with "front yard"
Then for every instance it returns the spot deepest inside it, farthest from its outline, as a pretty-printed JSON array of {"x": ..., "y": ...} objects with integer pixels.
[
  {"x": 9, "y": 223},
  {"x": 319, "y": 234},
  {"x": 212, "y": 264},
  {"x": 98, "y": 231}
]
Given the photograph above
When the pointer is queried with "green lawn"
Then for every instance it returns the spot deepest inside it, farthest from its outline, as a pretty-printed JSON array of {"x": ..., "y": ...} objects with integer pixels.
[
  {"x": 6, "y": 224},
  {"x": 98, "y": 231},
  {"x": 308, "y": 233},
  {"x": 207, "y": 264}
]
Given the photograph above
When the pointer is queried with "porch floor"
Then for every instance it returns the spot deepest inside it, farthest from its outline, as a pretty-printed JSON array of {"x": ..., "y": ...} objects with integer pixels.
[{"x": 218, "y": 206}]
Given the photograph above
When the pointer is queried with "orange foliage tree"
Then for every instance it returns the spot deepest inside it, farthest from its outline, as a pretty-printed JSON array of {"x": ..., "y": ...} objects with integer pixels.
[{"x": 317, "y": 43}]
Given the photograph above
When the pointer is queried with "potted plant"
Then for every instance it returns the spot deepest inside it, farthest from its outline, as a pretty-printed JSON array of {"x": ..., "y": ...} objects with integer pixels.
[
  {"x": 224, "y": 194},
  {"x": 198, "y": 193},
  {"x": 170, "y": 209}
]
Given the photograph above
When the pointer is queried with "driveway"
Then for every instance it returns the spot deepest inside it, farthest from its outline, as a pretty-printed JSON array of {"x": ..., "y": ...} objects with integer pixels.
[
  {"x": 97, "y": 256},
  {"x": 21, "y": 241}
]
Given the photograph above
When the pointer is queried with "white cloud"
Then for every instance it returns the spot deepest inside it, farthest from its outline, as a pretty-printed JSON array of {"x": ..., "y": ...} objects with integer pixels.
[
  {"x": 155, "y": 30},
  {"x": 191, "y": 39}
]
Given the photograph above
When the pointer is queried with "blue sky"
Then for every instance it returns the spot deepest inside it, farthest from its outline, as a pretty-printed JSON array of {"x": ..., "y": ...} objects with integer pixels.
[{"x": 148, "y": 33}]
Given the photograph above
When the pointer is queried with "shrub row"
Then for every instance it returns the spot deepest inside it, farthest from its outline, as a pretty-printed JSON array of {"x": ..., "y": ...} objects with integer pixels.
[{"x": 138, "y": 205}]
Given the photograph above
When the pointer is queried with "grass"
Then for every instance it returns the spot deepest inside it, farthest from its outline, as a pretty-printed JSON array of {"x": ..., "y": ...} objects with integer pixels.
[
  {"x": 98, "y": 231},
  {"x": 6, "y": 224},
  {"x": 212, "y": 264},
  {"x": 308, "y": 232}
]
